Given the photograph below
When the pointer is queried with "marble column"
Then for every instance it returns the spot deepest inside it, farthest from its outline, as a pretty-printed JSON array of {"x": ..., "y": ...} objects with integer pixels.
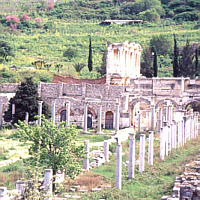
[
  {"x": 99, "y": 118},
  {"x": 40, "y": 112},
  {"x": 53, "y": 107},
  {"x": 106, "y": 150},
  {"x": 13, "y": 110},
  {"x": 48, "y": 176},
  {"x": 175, "y": 133},
  {"x": 159, "y": 119},
  {"x": 117, "y": 118},
  {"x": 68, "y": 113},
  {"x": 142, "y": 153},
  {"x": 118, "y": 175},
  {"x": 86, "y": 159},
  {"x": 172, "y": 135},
  {"x": 150, "y": 152},
  {"x": 26, "y": 117},
  {"x": 184, "y": 129},
  {"x": 85, "y": 117},
  {"x": 152, "y": 117},
  {"x": 139, "y": 122},
  {"x": 162, "y": 144},
  {"x": 131, "y": 165}
]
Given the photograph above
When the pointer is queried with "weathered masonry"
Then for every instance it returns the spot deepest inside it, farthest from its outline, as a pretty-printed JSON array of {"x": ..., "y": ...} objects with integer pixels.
[{"x": 123, "y": 84}]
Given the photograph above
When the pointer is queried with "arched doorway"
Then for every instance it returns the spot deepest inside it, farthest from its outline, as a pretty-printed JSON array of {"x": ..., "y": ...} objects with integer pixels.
[
  {"x": 89, "y": 119},
  {"x": 63, "y": 115},
  {"x": 109, "y": 120}
]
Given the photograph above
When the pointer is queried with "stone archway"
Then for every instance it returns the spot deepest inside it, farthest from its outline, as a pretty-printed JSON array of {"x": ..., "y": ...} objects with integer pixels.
[
  {"x": 189, "y": 102},
  {"x": 109, "y": 120},
  {"x": 171, "y": 100},
  {"x": 134, "y": 101}
]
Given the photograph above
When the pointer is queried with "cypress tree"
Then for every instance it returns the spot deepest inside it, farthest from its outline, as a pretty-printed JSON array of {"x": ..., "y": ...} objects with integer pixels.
[
  {"x": 26, "y": 100},
  {"x": 175, "y": 61},
  {"x": 155, "y": 63},
  {"x": 90, "y": 56}
]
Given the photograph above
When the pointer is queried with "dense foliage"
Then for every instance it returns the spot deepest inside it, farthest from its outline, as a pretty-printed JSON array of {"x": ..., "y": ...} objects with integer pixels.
[{"x": 25, "y": 100}]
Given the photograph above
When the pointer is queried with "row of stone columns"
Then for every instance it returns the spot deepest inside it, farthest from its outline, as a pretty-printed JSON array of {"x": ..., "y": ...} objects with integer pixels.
[{"x": 176, "y": 133}]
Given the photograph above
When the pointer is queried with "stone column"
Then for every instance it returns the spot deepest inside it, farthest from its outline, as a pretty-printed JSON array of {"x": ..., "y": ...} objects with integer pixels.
[
  {"x": 184, "y": 129},
  {"x": 159, "y": 119},
  {"x": 68, "y": 113},
  {"x": 117, "y": 118},
  {"x": 152, "y": 117},
  {"x": 162, "y": 144},
  {"x": 150, "y": 152},
  {"x": 48, "y": 177},
  {"x": 26, "y": 117},
  {"x": 142, "y": 152},
  {"x": 175, "y": 133},
  {"x": 170, "y": 113},
  {"x": 192, "y": 125},
  {"x": 86, "y": 159},
  {"x": 99, "y": 118},
  {"x": 40, "y": 112},
  {"x": 165, "y": 111},
  {"x": 1, "y": 114},
  {"x": 139, "y": 122},
  {"x": 53, "y": 110},
  {"x": 85, "y": 117},
  {"x": 179, "y": 133},
  {"x": 196, "y": 123},
  {"x": 172, "y": 135},
  {"x": 20, "y": 185},
  {"x": 13, "y": 110},
  {"x": 169, "y": 138},
  {"x": 165, "y": 133},
  {"x": 106, "y": 150},
  {"x": 118, "y": 175},
  {"x": 131, "y": 165}
]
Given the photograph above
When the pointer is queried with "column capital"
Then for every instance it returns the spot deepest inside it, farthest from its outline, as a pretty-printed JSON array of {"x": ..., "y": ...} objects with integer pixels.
[
  {"x": 40, "y": 102},
  {"x": 118, "y": 141}
]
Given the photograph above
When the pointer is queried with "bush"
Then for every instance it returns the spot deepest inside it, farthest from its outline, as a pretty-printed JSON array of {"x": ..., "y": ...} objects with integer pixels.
[{"x": 186, "y": 16}]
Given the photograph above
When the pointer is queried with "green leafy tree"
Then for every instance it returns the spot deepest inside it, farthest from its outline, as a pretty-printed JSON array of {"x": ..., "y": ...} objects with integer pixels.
[
  {"x": 90, "y": 56},
  {"x": 176, "y": 70},
  {"x": 162, "y": 43},
  {"x": 58, "y": 66},
  {"x": 70, "y": 53},
  {"x": 5, "y": 50},
  {"x": 54, "y": 145},
  {"x": 149, "y": 15},
  {"x": 146, "y": 64},
  {"x": 78, "y": 67},
  {"x": 102, "y": 69},
  {"x": 186, "y": 61},
  {"x": 25, "y": 100}
]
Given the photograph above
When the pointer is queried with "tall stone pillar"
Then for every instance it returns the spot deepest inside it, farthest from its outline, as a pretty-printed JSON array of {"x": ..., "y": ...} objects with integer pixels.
[
  {"x": 142, "y": 152},
  {"x": 99, "y": 118},
  {"x": 40, "y": 112},
  {"x": 175, "y": 133},
  {"x": 106, "y": 150},
  {"x": 184, "y": 129},
  {"x": 118, "y": 175},
  {"x": 162, "y": 144},
  {"x": 53, "y": 110},
  {"x": 172, "y": 136},
  {"x": 165, "y": 111},
  {"x": 48, "y": 176},
  {"x": 165, "y": 133},
  {"x": 68, "y": 113},
  {"x": 152, "y": 117},
  {"x": 85, "y": 117},
  {"x": 131, "y": 165},
  {"x": 196, "y": 123},
  {"x": 86, "y": 159},
  {"x": 117, "y": 118},
  {"x": 170, "y": 113},
  {"x": 26, "y": 117},
  {"x": 1, "y": 114},
  {"x": 169, "y": 138},
  {"x": 139, "y": 122},
  {"x": 150, "y": 152},
  {"x": 159, "y": 119},
  {"x": 13, "y": 110}
]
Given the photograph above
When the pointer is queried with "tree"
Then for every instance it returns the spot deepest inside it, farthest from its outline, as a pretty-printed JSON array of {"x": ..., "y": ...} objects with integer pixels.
[
  {"x": 197, "y": 50},
  {"x": 90, "y": 56},
  {"x": 78, "y": 67},
  {"x": 102, "y": 69},
  {"x": 70, "y": 53},
  {"x": 146, "y": 64},
  {"x": 187, "y": 68},
  {"x": 5, "y": 50},
  {"x": 58, "y": 66},
  {"x": 53, "y": 146},
  {"x": 25, "y": 100},
  {"x": 155, "y": 63},
  {"x": 149, "y": 15},
  {"x": 176, "y": 70},
  {"x": 162, "y": 43}
]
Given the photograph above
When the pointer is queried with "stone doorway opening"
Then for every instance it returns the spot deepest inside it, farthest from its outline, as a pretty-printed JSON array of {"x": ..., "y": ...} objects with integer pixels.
[
  {"x": 63, "y": 115},
  {"x": 89, "y": 119},
  {"x": 109, "y": 120}
]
